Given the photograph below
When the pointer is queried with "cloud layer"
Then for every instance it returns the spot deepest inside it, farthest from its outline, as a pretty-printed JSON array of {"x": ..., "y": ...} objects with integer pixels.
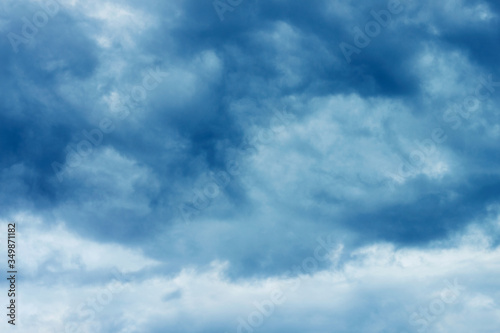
[{"x": 203, "y": 147}]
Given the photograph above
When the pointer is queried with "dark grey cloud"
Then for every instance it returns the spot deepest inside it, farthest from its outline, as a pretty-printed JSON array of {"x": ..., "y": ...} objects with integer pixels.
[{"x": 329, "y": 169}]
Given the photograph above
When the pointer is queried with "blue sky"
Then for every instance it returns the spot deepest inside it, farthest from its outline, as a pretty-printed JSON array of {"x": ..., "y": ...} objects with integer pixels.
[{"x": 252, "y": 166}]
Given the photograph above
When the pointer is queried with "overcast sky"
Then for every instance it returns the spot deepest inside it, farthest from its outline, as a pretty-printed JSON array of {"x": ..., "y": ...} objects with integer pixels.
[{"x": 252, "y": 166}]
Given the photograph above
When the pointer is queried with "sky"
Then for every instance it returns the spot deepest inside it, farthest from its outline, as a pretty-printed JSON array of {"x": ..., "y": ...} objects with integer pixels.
[{"x": 251, "y": 166}]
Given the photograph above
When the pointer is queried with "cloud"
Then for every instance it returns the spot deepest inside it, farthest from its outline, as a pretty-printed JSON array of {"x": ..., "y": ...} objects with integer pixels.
[
  {"x": 259, "y": 129},
  {"x": 379, "y": 286}
]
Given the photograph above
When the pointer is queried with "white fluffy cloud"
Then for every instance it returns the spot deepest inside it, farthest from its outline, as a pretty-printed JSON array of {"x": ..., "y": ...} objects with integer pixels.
[{"x": 378, "y": 286}]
